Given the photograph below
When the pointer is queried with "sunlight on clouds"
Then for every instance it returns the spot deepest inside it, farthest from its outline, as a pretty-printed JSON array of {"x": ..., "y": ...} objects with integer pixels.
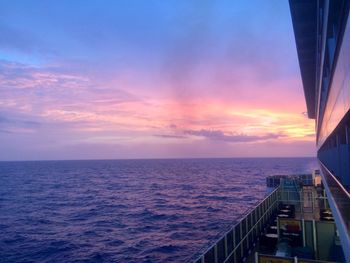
[
  {"x": 214, "y": 115},
  {"x": 293, "y": 125}
]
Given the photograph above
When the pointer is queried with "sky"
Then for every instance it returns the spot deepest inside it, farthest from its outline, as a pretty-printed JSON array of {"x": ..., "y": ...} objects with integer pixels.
[{"x": 150, "y": 79}]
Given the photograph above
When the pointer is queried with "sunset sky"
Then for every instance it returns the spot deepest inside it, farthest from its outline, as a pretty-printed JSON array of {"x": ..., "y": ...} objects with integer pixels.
[{"x": 150, "y": 79}]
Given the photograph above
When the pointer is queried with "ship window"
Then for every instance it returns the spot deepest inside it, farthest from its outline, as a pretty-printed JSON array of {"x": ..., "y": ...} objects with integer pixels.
[
  {"x": 334, "y": 27},
  {"x": 333, "y": 32}
]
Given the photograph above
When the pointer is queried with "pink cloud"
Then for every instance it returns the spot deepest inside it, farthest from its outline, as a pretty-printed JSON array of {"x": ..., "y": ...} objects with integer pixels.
[{"x": 218, "y": 104}]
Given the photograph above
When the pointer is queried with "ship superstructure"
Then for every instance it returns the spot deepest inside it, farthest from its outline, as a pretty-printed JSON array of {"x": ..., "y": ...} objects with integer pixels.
[{"x": 322, "y": 34}]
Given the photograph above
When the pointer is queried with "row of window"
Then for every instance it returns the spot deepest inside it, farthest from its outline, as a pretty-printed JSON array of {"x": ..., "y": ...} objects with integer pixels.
[
  {"x": 335, "y": 152},
  {"x": 340, "y": 136},
  {"x": 334, "y": 31}
]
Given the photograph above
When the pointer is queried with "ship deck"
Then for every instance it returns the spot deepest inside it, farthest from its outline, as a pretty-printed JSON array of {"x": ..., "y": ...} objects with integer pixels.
[{"x": 292, "y": 224}]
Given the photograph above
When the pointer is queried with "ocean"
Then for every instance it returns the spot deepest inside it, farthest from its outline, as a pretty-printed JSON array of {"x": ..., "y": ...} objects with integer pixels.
[{"x": 127, "y": 210}]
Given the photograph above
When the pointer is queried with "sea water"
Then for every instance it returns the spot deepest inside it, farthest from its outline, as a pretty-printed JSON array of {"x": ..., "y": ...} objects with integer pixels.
[{"x": 127, "y": 210}]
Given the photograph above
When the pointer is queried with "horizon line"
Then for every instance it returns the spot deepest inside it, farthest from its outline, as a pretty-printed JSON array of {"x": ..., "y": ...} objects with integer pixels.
[{"x": 170, "y": 158}]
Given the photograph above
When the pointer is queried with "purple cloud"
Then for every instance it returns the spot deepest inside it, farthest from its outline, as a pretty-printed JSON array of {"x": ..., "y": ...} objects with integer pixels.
[
  {"x": 231, "y": 137},
  {"x": 18, "y": 122},
  {"x": 170, "y": 136}
]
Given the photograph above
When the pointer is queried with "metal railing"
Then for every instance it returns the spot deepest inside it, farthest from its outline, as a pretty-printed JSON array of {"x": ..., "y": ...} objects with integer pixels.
[
  {"x": 238, "y": 242},
  {"x": 261, "y": 258},
  {"x": 339, "y": 201},
  {"x": 339, "y": 194}
]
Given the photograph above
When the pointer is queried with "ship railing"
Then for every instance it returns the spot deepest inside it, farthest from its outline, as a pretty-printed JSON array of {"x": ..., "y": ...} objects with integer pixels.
[
  {"x": 237, "y": 243},
  {"x": 339, "y": 195},
  {"x": 262, "y": 258},
  {"x": 339, "y": 201},
  {"x": 305, "y": 201},
  {"x": 240, "y": 240}
]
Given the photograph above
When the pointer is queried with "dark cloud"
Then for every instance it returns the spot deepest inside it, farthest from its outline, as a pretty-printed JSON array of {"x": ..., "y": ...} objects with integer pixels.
[
  {"x": 5, "y": 131},
  {"x": 231, "y": 137},
  {"x": 170, "y": 136},
  {"x": 6, "y": 122}
]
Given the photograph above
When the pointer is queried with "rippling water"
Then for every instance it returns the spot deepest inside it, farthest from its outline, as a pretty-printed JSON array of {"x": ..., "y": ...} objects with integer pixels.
[{"x": 126, "y": 210}]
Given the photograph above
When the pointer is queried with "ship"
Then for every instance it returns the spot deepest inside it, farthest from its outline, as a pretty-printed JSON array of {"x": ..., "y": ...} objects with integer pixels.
[{"x": 306, "y": 218}]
